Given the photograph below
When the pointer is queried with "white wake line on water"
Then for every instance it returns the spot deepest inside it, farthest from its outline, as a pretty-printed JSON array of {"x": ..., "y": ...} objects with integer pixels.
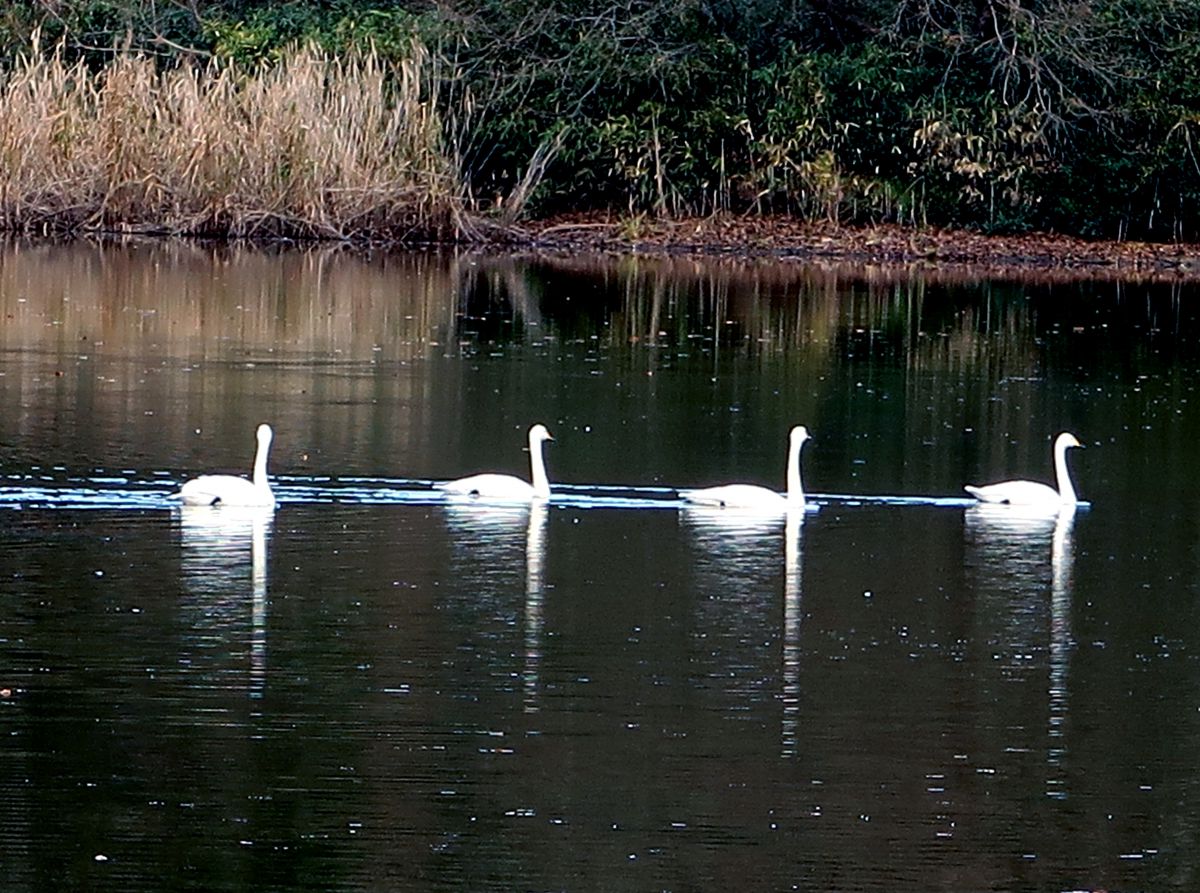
[{"x": 111, "y": 491}]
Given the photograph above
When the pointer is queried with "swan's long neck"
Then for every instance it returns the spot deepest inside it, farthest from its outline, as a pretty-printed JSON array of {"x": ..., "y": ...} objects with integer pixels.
[
  {"x": 1062, "y": 474},
  {"x": 795, "y": 489},
  {"x": 537, "y": 465},
  {"x": 260, "y": 463}
]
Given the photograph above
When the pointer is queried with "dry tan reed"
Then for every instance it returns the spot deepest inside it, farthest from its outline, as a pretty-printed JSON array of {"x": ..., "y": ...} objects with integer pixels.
[{"x": 315, "y": 146}]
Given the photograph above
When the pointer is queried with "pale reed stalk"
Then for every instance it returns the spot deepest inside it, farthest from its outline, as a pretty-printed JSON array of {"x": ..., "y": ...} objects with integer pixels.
[{"x": 315, "y": 146}]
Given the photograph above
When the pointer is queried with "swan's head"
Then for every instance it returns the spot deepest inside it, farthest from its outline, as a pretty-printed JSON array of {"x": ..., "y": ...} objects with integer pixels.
[
  {"x": 1067, "y": 439},
  {"x": 538, "y": 433},
  {"x": 800, "y": 434},
  {"x": 264, "y": 434}
]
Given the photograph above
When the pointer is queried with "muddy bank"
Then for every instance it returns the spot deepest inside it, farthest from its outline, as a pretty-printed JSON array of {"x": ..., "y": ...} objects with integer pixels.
[{"x": 783, "y": 238}]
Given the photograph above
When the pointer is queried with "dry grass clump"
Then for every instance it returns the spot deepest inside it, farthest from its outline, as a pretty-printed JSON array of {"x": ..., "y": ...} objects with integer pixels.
[{"x": 315, "y": 146}]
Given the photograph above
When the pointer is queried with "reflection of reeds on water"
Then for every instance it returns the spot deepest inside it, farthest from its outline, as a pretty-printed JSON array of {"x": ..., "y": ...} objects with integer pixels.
[
  {"x": 335, "y": 327},
  {"x": 217, "y": 543},
  {"x": 193, "y": 302}
]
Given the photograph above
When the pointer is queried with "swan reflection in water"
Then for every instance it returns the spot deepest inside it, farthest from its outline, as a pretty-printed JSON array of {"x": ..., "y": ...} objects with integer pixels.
[
  {"x": 1062, "y": 586},
  {"x": 535, "y": 566},
  {"x": 491, "y": 534},
  {"x": 217, "y": 544},
  {"x": 742, "y": 545},
  {"x": 793, "y": 588},
  {"x": 733, "y": 532},
  {"x": 1014, "y": 544}
]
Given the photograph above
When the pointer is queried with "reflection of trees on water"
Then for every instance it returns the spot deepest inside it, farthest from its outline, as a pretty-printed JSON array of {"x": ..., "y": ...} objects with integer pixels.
[
  {"x": 921, "y": 314},
  {"x": 197, "y": 299},
  {"x": 498, "y": 303},
  {"x": 893, "y": 367},
  {"x": 930, "y": 355}
]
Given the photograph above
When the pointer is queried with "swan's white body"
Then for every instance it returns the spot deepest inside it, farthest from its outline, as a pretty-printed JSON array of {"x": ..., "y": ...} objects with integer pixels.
[
  {"x": 228, "y": 489},
  {"x": 506, "y": 487},
  {"x": 1032, "y": 493},
  {"x": 750, "y": 496}
]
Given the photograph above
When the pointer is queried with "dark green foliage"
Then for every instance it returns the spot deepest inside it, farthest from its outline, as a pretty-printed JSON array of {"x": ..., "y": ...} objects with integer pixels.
[{"x": 1076, "y": 115}]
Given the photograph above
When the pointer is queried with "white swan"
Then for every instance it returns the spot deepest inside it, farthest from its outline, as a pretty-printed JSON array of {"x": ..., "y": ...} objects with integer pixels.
[
  {"x": 228, "y": 489},
  {"x": 749, "y": 496},
  {"x": 1032, "y": 493},
  {"x": 505, "y": 486}
]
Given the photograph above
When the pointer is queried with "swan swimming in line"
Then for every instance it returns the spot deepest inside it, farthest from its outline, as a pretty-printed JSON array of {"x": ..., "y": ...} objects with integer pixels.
[
  {"x": 506, "y": 486},
  {"x": 750, "y": 496},
  {"x": 228, "y": 489},
  {"x": 1032, "y": 493}
]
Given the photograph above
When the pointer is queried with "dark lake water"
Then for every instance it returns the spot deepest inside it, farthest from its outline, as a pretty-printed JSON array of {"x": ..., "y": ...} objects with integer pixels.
[{"x": 373, "y": 689}]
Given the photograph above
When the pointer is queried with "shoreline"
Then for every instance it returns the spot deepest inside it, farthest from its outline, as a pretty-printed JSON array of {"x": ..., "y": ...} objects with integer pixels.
[
  {"x": 785, "y": 239},
  {"x": 754, "y": 239}
]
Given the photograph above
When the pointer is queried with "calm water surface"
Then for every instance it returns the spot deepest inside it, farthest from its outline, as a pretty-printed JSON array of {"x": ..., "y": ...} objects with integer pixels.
[{"x": 374, "y": 689}]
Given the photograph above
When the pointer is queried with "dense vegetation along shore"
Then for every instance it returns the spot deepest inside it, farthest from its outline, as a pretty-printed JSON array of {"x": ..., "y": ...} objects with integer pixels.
[{"x": 465, "y": 120}]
